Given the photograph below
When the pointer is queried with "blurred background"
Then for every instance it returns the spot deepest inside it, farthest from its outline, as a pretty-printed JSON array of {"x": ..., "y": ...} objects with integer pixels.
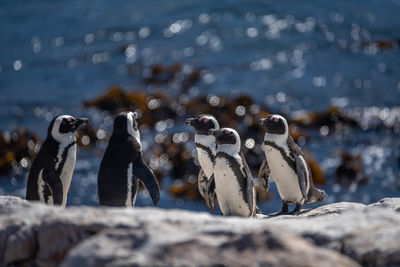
[{"x": 331, "y": 67}]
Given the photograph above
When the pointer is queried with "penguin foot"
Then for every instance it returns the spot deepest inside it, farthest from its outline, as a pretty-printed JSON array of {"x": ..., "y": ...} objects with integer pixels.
[
  {"x": 285, "y": 207},
  {"x": 296, "y": 210},
  {"x": 258, "y": 211},
  {"x": 278, "y": 213}
]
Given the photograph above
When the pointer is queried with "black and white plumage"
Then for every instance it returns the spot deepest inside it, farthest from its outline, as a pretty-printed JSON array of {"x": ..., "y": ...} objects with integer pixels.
[
  {"x": 51, "y": 171},
  {"x": 206, "y": 149},
  {"x": 286, "y": 163},
  {"x": 233, "y": 179},
  {"x": 123, "y": 165}
]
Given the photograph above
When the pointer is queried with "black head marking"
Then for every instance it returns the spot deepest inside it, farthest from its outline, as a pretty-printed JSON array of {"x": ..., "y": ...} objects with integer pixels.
[
  {"x": 203, "y": 123},
  {"x": 224, "y": 136},
  {"x": 120, "y": 124},
  {"x": 51, "y": 126},
  {"x": 125, "y": 123},
  {"x": 65, "y": 124},
  {"x": 274, "y": 124}
]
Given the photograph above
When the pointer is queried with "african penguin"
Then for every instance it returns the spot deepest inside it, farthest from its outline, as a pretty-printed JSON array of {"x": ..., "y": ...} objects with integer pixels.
[
  {"x": 206, "y": 149},
  {"x": 287, "y": 165},
  {"x": 123, "y": 165},
  {"x": 233, "y": 179},
  {"x": 51, "y": 172}
]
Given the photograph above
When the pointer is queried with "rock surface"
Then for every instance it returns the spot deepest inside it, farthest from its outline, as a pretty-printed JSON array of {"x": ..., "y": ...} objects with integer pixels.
[{"x": 339, "y": 234}]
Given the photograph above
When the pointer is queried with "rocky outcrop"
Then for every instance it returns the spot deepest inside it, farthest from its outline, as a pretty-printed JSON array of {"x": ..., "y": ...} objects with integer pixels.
[
  {"x": 340, "y": 234},
  {"x": 367, "y": 234}
]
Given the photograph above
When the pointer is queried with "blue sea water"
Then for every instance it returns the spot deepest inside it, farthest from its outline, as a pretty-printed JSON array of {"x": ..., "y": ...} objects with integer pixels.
[{"x": 289, "y": 55}]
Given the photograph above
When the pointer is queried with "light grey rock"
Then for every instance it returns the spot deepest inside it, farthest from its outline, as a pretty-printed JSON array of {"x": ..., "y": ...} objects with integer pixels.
[
  {"x": 391, "y": 203},
  {"x": 265, "y": 246},
  {"x": 339, "y": 234},
  {"x": 11, "y": 200},
  {"x": 84, "y": 236},
  {"x": 368, "y": 234}
]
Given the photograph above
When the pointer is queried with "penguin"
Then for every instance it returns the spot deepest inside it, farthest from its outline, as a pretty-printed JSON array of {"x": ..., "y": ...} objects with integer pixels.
[
  {"x": 206, "y": 150},
  {"x": 286, "y": 163},
  {"x": 233, "y": 180},
  {"x": 51, "y": 171},
  {"x": 122, "y": 165}
]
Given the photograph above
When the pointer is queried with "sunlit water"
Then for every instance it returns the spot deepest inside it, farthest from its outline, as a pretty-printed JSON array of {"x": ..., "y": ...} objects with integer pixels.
[{"x": 289, "y": 56}]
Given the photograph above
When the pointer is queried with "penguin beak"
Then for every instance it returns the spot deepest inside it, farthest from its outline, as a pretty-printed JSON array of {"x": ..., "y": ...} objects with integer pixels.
[
  {"x": 214, "y": 132},
  {"x": 264, "y": 121},
  {"x": 190, "y": 121},
  {"x": 261, "y": 121}
]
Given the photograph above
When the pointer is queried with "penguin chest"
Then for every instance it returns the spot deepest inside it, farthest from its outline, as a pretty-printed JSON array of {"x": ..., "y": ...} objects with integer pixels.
[
  {"x": 131, "y": 193},
  {"x": 229, "y": 195},
  {"x": 284, "y": 176},
  {"x": 66, "y": 161},
  {"x": 45, "y": 194},
  {"x": 206, "y": 163}
]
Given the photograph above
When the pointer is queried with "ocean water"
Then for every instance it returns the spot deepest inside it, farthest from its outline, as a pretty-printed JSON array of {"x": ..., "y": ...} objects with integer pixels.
[{"x": 291, "y": 56}]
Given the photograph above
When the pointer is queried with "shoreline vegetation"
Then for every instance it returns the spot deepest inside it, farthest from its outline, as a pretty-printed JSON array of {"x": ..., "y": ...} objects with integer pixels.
[{"x": 171, "y": 156}]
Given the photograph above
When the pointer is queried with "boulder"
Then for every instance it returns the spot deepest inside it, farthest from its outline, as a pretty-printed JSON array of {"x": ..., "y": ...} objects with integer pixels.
[
  {"x": 367, "y": 234},
  {"x": 339, "y": 234}
]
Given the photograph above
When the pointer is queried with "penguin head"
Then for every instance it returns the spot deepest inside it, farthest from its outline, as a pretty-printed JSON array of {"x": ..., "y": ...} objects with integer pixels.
[
  {"x": 275, "y": 124},
  {"x": 125, "y": 123},
  {"x": 203, "y": 123},
  {"x": 227, "y": 137},
  {"x": 62, "y": 127},
  {"x": 318, "y": 196}
]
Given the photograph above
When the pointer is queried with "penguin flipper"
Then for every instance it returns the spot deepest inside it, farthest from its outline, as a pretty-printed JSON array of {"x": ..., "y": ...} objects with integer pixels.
[
  {"x": 250, "y": 190},
  {"x": 207, "y": 189},
  {"x": 202, "y": 183},
  {"x": 144, "y": 174},
  {"x": 263, "y": 175},
  {"x": 210, "y": 193},
  {"x": 301, "y": 174},
  {"x": 51, "y": 178}
]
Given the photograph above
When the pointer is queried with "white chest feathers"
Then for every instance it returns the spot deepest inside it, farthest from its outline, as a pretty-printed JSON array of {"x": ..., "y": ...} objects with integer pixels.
[
  {"x": 67, "y": 168},
  {"x": 284, "y": 176},
  {"x": 229, "y": 195},
  {"x": 130, "y": 198},
  {"x": 206, "y": 157},
  {"x": 64, "y": 165},
  {"x": 206, "y": 163},
  {"x": 41, "y": 186}
]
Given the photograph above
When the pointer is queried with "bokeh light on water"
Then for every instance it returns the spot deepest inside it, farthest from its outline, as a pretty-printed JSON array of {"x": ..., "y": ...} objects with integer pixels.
[{"x": 291, "y": 57}]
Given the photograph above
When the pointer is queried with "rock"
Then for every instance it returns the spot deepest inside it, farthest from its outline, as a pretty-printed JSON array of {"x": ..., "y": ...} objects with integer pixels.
[
  {"x": 6, "y": 201},
  {"x": 350, "y": 170},
  {"x": 391, "y": 203},
  {"x": 42, "y": 235},
  {"x": 368, "y": 234},
  {"x": 17, "y": 149},
  {"x": 339, "y": 234},
  {"x": 171, "y": 245},
  {"x": 330, "y": 117}
]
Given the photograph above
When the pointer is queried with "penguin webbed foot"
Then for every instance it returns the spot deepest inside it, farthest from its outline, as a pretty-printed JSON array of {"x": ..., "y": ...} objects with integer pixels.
[
  {"x": 285, "y": 207},
  {"x": 258, "y": 211},
  {"x": 296, "y": 210},
  {"x": 284, "y": 210}
]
